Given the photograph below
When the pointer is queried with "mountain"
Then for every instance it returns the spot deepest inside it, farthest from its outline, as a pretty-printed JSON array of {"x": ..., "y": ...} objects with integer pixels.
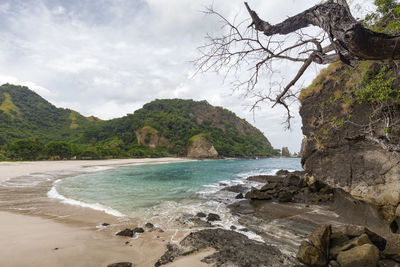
[
  {"x": 26, "y": 115},
  {"x": 161, "y": 128}
]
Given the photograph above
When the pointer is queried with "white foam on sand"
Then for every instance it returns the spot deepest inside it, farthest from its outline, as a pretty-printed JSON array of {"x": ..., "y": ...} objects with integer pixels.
[{"x": 55, "y": 195}]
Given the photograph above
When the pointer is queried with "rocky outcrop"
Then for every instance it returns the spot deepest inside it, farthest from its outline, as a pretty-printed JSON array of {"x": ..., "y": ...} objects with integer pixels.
[
  {"x": 285, "y": 152},
  {"x": 148, "y": 136},
  {"x": 335, "y": 150},
  {"x": 200, "y": 147},
  {"x": 348, "y": 245},
  {"x": 232, "y": 249}
]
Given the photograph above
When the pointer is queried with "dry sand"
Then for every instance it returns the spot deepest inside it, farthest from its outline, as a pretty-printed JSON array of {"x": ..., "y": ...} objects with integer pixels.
[{"x": 53, "y": 239}]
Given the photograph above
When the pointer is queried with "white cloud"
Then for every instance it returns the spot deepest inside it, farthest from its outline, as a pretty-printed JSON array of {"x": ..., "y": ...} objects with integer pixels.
[{"x": 108, "y": 58}]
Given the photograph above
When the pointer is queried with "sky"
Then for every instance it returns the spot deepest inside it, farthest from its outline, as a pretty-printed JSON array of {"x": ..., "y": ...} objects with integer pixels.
[{"x": 109, "y": 57}]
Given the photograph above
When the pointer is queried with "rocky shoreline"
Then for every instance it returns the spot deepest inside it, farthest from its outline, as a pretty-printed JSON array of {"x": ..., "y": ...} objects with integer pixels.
[{"x": 285, "y": 211}]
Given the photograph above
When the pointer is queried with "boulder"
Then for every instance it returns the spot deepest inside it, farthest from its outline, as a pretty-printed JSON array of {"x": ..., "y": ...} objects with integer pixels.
[
  {"x": 320, "y": 238},
  {"x": 138, "y": 230},
  {"x": 213, "y": 217},
  {"x": 200, "y": 147},
  {"x": 126, "y": 232},
  {"x": 285, "y": 196},
  {"x": 239, "y": 196},
  {"x": 357, "y": 241},
  {"x": 269, "y": 186},
  {"x": 310, "y": 255},
  {"x": 388, "y": 263},
  {"x": 201, "y": 215},
  {"x": 356, "y": 230},
  {"x": 149, "y": 225},
  {"x": 366, "y": 255},
  {"x": 254, "y": 193}
]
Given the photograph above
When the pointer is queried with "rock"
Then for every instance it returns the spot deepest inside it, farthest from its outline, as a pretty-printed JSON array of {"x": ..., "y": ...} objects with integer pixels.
[
  {"x": 338, "y": 239},
  {"x": 285, "y": 196},
  {"x": 233, "y": 227},
  {"x": 366, "y": 255},
  {"x": 257, "y": 194},
  {"x": 105, "y": 224},
  {"x": 356, "y": 230},
  {"x": 126, "y": 232},
  {"x": 120, "y": 264},
  {"x": 285, "y": 152},
  {"x": 320, "y": 239},
  {"x": 265, "y": 178},
  {"x": 172, "y": 252},
  {"x": 291, "y": 179},
  {"x": 236, "y": 188},
  {"x": 269, "y": 186},
  {"x": 201, "y": 215},
  {"x": 232, "y": 249},
  {"x": 310, "y": 255},
  {"x": 357, "y": 241},
  {"x": 149, "y": 225},
  {"x": 333, "y": 263},
  {"x": 282, "y": 172},
  {"x": 138, "y": 230},
  {"x": 200, "y": 147},
  {"x": 213, "y": 217},
  {"x": 388, "y": 263},
  {"x": 239, "y": 196},
  {"x": 397, "y": 212},
  {"x": 200, "y": 223},
  {"x": 316, "y": 186}
]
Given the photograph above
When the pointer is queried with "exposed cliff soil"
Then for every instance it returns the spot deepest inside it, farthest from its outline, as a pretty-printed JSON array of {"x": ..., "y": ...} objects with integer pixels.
[
  {"x": 148, "y": 136},
  {"x": 200, "y": 147},
  {"x": 337, "y": 150}
]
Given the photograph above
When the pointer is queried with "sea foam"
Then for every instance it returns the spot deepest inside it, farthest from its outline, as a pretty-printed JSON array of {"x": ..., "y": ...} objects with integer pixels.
[{"x": 53, "y": 193}]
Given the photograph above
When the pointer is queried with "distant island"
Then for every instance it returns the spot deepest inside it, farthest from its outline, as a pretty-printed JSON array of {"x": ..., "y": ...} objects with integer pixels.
[{"x": 34, "y": 129}]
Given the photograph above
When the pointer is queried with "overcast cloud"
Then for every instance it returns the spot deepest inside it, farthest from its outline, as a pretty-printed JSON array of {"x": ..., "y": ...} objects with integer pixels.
[{"x": 109, "y": 57}]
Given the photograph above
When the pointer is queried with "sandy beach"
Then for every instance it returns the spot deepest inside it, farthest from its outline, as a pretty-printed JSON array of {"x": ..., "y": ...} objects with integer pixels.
[{"x": 45, "y": 232}]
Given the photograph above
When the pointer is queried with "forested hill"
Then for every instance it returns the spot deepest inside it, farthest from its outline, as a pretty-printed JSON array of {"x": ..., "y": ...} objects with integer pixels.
[
  {"x": 32, "y": 128},
  {"x": 26, "y": 115}
]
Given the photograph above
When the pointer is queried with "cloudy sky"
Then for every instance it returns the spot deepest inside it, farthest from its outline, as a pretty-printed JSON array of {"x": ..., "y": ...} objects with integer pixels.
[{"x": 109, "y": 57}]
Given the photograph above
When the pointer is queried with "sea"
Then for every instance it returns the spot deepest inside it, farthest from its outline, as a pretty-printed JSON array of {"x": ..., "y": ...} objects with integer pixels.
[{"x": 165, "y": 190}]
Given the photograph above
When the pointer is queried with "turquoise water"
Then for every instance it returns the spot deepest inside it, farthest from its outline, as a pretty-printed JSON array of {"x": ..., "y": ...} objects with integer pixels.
[{"x": 132, "y": 189}]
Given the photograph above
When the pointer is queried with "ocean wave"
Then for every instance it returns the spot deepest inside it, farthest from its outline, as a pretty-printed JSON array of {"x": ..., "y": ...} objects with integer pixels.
[{"x": 53, "y": 193}]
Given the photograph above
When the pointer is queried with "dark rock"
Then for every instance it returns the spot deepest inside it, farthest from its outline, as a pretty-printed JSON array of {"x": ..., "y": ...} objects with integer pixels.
[
  {"x": 223, "y": 184},
  {"x": 316, "y": 186},
  {"x": 257, "y": 194},
  {"x": 285, "y": 196},
  {"x": 201, "y": 215},
  {"x": 356, "y": 241},
  {"x": 236, "y": 188},
  {"x": 338, "y": 239},
  {"x": 265, "y": 178},
  {"x": 172, "y": 252},
  {"x": 310, "y": 255},
  {"x": 291, "y": 179},
  {"x": 366, "y": 255},
  {"x": 333, "y": 263},
  {"x": 105, "y": 224},
  {"x": 120, "y": 264},
  {"x": 126, "y": 232},
  {"x": 269, "y": 186},
  {"x": 232, "y": 249},
  {"x": 200, "y": 223},
  {"x": 239, "y": 196},
  {"x": 388, "y": 263},
  {"x": 356, "y": 230},
  {"x": 282, "y": 172},
  {"x": 138, "y": 230},
  {"x": 149, "y": 225},
  {"x": 213, "y": 217},
  {"x": 243, "y": 229},
  {"x": 320, "y": 239},
  {"x": 233, "y": 227}
]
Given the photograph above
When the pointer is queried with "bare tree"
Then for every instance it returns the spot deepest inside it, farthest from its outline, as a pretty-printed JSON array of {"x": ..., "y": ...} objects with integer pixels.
[{"x": 260, "y": 46}]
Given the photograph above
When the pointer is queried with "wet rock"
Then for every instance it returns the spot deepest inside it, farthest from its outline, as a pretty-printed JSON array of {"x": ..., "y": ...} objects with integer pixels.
[
  {"x": 232, "y": 248},
  {"x": 233, "y": 227},
  {"x": 265, "y": 178},
  {"x": 239, "y": 196},
  {"x": 310, "y": 255},
  {"x": 120, "y": 264},
  {"x": 105, "y": 224},
  {"x": 200, "y": 223},
  {"x": 282, "y": 172},
  {"x": 172, "y": 252},
  {"x": 126, "y": 232},
  {"x": 138, "y": 230},
  {"x": 269, "y": 186},
  {"x": 213, "y": 217},
  {"x": 285, "y": 196},
  {"x": 257, "y": 194},
  {"x": 366, "y": 255},
  {"x": 236, "y": 188},
  {"x": 291, "y": 179},
  {"x": 201, "y": 215},
  {"x": 149, "y": 225}
]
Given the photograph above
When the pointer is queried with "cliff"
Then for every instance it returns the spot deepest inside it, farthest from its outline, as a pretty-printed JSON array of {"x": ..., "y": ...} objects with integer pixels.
[
  {"x": 200, "y": 147},
  {"x": 347, "y": 143}
]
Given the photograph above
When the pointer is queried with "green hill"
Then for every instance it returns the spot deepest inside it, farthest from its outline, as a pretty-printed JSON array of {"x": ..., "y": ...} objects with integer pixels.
[{"x": 171, "y": 127}]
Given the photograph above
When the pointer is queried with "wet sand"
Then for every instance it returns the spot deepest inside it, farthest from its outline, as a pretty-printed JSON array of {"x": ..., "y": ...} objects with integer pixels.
[{"x": 38, "y": 231}]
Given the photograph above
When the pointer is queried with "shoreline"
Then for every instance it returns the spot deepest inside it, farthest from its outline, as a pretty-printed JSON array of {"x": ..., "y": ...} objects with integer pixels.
[{"x": 51, "y": 233}]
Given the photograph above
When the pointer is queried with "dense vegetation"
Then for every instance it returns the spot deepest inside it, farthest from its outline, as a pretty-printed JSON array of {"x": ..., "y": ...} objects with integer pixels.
[{"x": 32, "y": 128}]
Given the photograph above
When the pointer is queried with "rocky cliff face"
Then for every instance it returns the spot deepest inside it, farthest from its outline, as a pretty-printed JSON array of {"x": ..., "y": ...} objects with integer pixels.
[
  {"x": 336, "y": 150},
  {"x": 148, "y": 136},
  {"x": 200, "y": 147}
]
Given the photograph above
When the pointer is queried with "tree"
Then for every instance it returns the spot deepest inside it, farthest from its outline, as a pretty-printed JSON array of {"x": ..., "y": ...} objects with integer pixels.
[{"x": 260, "y": 46}]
